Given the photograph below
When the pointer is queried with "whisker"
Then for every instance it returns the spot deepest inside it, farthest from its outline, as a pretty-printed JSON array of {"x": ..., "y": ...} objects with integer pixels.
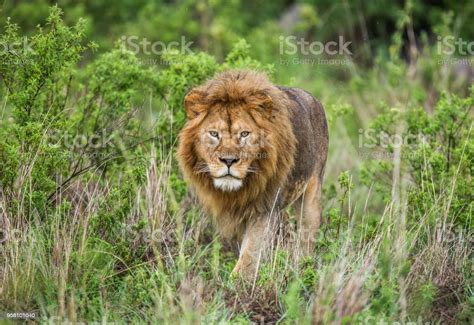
[
  {"x": 252, "y": 170},
  {"x": 201, "y": 168}
]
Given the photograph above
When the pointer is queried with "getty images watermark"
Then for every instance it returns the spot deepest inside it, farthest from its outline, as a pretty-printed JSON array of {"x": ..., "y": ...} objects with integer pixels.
[{"x": 311, "y": 51}]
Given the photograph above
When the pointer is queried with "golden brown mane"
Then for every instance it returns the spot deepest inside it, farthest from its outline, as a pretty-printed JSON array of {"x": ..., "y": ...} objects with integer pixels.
[{"x": 252, "y": 91}]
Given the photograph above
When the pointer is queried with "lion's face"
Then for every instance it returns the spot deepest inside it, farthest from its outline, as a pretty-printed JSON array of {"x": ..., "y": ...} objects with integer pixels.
[
  {"x": 237, "y": 143},
  {"x": 228, "y": 144}
]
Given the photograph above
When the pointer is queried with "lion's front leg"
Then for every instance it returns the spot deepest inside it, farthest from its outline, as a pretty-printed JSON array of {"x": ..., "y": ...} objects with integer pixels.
[{"x": 255, "y": 245}]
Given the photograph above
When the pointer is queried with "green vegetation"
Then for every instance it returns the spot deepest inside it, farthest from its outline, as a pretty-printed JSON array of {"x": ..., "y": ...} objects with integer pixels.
[{"x": 96, "y": 223}]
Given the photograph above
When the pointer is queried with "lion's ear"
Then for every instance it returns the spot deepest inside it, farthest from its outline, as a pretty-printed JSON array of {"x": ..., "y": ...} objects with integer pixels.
[
  {"x": 264, "y": 103},
  {"x": 194, "y": 103}
]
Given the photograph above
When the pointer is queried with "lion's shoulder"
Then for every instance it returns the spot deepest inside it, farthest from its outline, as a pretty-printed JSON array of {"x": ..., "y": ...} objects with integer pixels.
[{"x": 310, "y": 128}]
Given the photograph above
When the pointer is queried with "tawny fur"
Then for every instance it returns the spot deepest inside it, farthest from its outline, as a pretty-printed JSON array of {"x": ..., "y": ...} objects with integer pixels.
[{"x": 294, "y": 128}]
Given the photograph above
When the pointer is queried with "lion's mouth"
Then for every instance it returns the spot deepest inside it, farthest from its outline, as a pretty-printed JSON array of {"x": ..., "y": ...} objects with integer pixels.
[
  {"x": 229, "y": 176},
  {"x": 228, "y": 183}
]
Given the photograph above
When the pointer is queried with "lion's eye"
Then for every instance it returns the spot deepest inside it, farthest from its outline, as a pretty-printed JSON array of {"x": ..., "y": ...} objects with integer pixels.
[
  {"x": 214, "y": 134},
  {"x": 244, "y": 134}
]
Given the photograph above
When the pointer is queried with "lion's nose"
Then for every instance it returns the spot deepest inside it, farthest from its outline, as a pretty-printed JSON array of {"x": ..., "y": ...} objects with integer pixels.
[{"x": 229, "y": 161}]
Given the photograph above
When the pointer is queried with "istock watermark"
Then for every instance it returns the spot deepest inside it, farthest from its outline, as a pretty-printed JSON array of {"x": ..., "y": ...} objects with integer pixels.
[
  {"x": 383, "y": 144},
  {"x": 138, "y": 45},
  {"x": 94, "y": 141},
  {"x": 99, "y": 140},
  {"x": 293, "y": 45},
  {"x": 451, "y": 45},
  {"x": 313, "y": 52},
  {"x": 24, "y": 46},
  {"x": 370, "y": 138}
]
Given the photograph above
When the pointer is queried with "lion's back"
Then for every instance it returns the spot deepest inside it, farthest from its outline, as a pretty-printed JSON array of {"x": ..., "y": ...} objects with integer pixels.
[{"x": 311, "y": 131}]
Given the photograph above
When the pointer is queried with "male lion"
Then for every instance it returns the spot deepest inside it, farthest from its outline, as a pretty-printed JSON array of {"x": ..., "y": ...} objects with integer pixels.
[{"x": 249, "y": 149}]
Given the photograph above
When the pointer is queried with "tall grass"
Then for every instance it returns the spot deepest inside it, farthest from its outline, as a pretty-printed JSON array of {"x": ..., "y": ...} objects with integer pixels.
[
  {"x": 62, "y": 269},
  {"x": 110, "y": 234}
]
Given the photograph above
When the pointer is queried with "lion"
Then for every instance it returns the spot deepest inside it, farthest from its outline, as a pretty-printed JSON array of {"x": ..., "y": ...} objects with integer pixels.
[{"x": 249, "y": 149}]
